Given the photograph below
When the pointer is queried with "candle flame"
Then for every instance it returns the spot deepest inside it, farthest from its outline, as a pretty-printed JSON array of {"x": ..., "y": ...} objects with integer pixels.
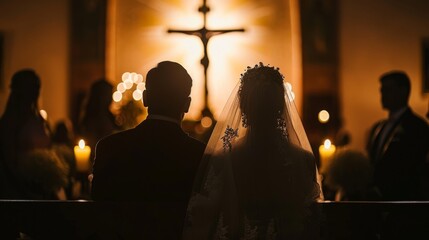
[
  {"x": 327, "y": 144},
  {"x": 81, "y": 144}
]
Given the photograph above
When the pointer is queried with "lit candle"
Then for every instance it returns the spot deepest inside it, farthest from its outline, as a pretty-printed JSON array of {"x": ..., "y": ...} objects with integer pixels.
[
  {"x": 82, "y": 154},
  {"x": 326, "y": 151}
]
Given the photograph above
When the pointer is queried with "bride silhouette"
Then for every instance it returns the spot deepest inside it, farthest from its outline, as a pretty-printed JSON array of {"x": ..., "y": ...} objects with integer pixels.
[{"x": 258, "y": 178}]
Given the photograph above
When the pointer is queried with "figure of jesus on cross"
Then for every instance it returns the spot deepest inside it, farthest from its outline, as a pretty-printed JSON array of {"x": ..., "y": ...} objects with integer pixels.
[{"x": 205, "y": 34}]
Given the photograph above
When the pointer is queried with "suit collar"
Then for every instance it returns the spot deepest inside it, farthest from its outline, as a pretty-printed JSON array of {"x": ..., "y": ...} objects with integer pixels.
[
  {"x": 394, "y": 116},
  {"x": 163, "y": 118}
]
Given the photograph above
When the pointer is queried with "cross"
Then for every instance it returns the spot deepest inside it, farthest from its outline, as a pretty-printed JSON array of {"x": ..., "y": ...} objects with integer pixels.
[{"x": 205, "y": 34}]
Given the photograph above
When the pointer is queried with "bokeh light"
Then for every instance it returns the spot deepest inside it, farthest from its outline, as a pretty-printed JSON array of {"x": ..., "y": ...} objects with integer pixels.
[
  {"x": 117, "y": 96},
  {"x": 44, "y": 114},
  {"x": 206, "y": 122},
  {"x": 323, "y": 116},
  {"x": 121, "y": 87},
  {"x": 141, "y": 86},
  {"x": 137, "y": 95},
  {"x": 125, "y": 76}
]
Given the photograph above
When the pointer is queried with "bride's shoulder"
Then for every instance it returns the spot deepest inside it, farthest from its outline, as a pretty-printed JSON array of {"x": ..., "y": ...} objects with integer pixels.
[
  {"x": 293, "y": 149},
  {"x": 299, "y": 154}
]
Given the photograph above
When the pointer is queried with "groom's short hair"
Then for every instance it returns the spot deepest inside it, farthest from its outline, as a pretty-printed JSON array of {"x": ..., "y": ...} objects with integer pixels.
[
  {"x": 399, "y": 78},
  {"x": 169, "y": 80}
]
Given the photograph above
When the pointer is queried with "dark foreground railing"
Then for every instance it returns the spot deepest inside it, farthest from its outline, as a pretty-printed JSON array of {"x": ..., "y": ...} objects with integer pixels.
[
  {"x": 375, "y": 220},
  {"x": 99, "y": 220}
]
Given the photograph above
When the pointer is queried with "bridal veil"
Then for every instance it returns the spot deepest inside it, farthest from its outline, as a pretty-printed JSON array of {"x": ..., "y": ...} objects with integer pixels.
[{"x": 258, "y": 178}]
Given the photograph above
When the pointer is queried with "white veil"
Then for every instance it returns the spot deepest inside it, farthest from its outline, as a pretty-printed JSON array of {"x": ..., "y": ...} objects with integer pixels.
[{"x": 255, "y": 184}]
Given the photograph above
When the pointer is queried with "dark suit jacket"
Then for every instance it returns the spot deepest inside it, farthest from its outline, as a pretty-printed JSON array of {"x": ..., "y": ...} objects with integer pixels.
[
  {"x": 154, "y": 163},
  {"x": 401, "y": 171}
]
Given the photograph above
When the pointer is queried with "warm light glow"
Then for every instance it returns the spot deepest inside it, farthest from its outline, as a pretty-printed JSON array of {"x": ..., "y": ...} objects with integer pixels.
[
  {"x": 132, "y": 76},
  {"x": 291, "y": 94},
  {"x": 125, "y": 76},
  {"x": 137, "y": 95},
  {"x": 135, "y": 77},
  {"x": 117, "y": 96},
  {"x": 128, "y": 81},
  {"x": 121, "y": 87},
  {"x": 144, "y": 41},
  {"x": 82, "y": 155},
  {"x": 138, "y": 79},
  {"x": 199, "y": 129},
  {"x": 128, "y": 84},
  {"x": 81, "y": 144},
  {"x": 327, "y": 144},
  {"x": 206, "y": 122},
  {"x": 288, "y": 86},
  {"x": 44, "y": 114},
  {"x": 323, "y": 116},
  {"x": 326, "y": 152},
  {"x": 141, "y": 86}
]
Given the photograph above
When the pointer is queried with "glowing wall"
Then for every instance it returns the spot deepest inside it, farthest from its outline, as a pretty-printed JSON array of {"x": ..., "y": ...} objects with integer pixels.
[
  {"x": 36, "y": 36},
  {"x": 377, "y": 36},
  {"x": 138, "y": 39}
]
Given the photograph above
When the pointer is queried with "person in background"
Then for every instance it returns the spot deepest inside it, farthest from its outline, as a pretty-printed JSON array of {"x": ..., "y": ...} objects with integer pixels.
[
  {"x": 349, "y": 174},
  {"x": 63, "y": 142},
  {"x": 97, "y": 120},
  {"x": 30, "y": 168},
  {"x": 398, "y": 146}
]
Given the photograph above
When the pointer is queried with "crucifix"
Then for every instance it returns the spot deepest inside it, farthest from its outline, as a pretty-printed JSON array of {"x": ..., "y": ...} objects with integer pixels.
[{"x": 205, "y": 34}]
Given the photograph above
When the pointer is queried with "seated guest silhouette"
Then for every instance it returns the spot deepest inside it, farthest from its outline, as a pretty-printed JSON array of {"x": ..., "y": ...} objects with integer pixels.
[
  {"x": 156, "y": 161},
  {"x": 349, "y": 174},
  {"x": 398, "y": 146}
]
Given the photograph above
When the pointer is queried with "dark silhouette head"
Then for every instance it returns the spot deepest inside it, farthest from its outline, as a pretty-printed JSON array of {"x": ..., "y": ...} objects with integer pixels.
[
  {"x": 350, "y": 172},
  {"x": 25, "y": 89},
  {"x": 97, "y": 120},
  {"x": 395, "y": 90},
  {"x": 63, "y": 133},
  {"x": 21, "y": 122},
  {"x": 26, "y": 85},
  {"x": 168, "y": 86},
  {"x": 261, "y": 96},
  {"x": 97, "y": 104},
  {"x": 100, "y": 96}
]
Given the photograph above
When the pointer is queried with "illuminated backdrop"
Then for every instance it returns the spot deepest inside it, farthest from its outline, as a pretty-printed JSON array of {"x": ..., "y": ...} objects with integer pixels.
[{"x": 138, "y": 40}]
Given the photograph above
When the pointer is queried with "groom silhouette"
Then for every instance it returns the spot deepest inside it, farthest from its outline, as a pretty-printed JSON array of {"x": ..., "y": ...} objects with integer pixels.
[{"x": 154, "y": 163}]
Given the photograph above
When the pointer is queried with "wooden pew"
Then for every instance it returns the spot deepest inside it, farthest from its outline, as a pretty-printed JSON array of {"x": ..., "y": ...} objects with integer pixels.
[{"x": 107, "y": 220}]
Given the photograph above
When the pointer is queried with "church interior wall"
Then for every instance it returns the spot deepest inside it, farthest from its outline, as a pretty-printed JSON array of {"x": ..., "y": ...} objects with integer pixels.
[{"x": 36, "y": 36}]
